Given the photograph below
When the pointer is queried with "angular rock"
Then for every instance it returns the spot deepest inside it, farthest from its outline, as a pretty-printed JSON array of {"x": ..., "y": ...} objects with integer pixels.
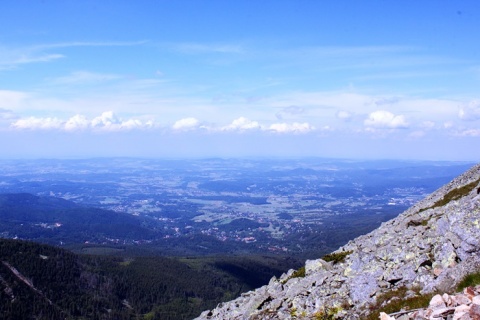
[
  {"x": 313, "y": 266},
  {"x": 430, "y": 247},
  {"x": 437, "y": 302}
]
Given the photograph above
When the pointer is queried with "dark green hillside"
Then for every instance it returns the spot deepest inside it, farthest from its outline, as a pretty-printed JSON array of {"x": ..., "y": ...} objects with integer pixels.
[
  {"x": 59, "y": 285},
  {"x": 53, "y": 220},
  {"x": 44, "y": 282}
]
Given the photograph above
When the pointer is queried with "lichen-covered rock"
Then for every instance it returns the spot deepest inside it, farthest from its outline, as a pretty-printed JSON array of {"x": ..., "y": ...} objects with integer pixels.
[{"x": 430, "y": 247}]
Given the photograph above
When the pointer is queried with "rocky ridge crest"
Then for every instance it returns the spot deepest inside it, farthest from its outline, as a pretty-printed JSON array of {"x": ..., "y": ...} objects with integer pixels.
[{"x": 428, "y": 248}]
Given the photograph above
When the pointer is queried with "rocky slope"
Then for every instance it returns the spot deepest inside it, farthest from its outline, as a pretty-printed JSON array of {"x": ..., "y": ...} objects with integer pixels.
[{"x": 428, "y": 248}]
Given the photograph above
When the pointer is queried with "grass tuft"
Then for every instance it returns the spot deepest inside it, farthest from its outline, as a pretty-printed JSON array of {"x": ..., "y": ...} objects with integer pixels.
[
  {"x": 470, "y": 280},
  {"x": 394, "y": 301},
  {"x": 300, "y": 273},
  {"x": 326, "y": 314},
  {"x": 336, "y": 257},
  {"x": 454, "y": 194}
]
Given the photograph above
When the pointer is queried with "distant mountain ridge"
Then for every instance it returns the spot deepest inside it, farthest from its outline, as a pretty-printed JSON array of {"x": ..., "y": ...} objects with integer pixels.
[{"x": 429, "y": 248}]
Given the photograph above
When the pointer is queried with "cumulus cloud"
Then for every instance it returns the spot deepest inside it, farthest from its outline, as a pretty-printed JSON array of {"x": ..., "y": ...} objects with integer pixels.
[
  {"x": 291, "y": 128},
  {"x": 107, "y": 121},
  {"x": 37, "y": 123},
  {"x": 241, "y": 124},
  {"x": 186, "y": 124},
  {"x": 77, "y": 122},
  {"x": 385, "y": 119},
  {"x": 470, "y": 112}
]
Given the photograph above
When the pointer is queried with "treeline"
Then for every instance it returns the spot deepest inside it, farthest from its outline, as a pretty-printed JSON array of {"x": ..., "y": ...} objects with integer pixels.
[{"x": 63, "y": 285}]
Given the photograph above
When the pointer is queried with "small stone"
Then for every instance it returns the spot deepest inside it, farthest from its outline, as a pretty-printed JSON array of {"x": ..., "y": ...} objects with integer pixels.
[
  {"x": 442, "y": 312},
  {"x": 469, "y": 292},
  {"x": 448, "y": 300},
  {"x": 418, "y": 315},
  {"x": 437, "y": 271},
  {"x": 313, "y": 266},
  {"x": 461, "y": 299},
  {"x": 384, "y": 316},
  {"x": 437, "y": 302},
  {"x": 460, "y": 311},
  {"x": 474, "y": 312},
  {"x": 476, "y": 300}
]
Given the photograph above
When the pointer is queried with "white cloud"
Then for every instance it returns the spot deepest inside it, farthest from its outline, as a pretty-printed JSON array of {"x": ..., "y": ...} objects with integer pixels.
[
  {"x": 107, "y": 121},
  {"x": 186, "y": 124},
  {"x": 77, "y": 122},
  {"x": 11, "y": 58},
  {"x": 24, "y": 59},
  {"x": 291, "y": 128},
  {"x": 241, "y": 124},
  {"x": 37, "y": 123},
  {"x": 131, "y": 124},
  {"x": 471, "y": 111},
  {"x": 385, "y": 119}
]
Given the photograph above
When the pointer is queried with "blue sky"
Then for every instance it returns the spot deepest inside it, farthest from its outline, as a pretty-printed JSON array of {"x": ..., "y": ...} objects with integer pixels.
[{"x": 350, "y": 79}]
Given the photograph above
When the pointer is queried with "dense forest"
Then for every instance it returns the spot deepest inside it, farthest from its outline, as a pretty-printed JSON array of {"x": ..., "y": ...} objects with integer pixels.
[{"x": 44, "y": 282}]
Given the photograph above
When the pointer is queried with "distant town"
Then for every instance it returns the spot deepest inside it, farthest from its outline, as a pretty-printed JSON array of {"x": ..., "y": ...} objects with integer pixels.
[{"x": 264, "y": 203}]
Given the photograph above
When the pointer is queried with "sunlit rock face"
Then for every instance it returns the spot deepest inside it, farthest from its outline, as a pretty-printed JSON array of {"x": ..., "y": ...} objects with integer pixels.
[{"x": 428, "y": 248}]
